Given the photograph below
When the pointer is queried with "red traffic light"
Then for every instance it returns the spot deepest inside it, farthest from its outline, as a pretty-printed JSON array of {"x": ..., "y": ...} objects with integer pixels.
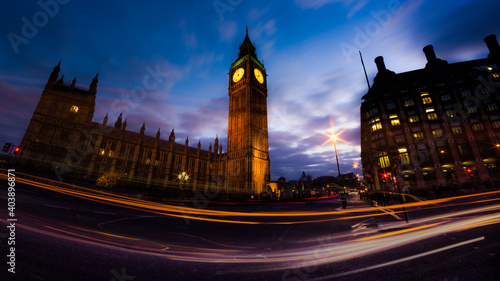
[
  {"x": 16, "y": 150},
  {"x": 469, "y": 170}
]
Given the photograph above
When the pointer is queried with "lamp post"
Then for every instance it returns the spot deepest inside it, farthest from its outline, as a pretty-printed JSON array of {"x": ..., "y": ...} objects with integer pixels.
[
  {"x": 183, "y": 177},
  {"x": 355, "y": 165},
  {"x": 333, "y": 137},
  {"x": 334, "y": 140}
]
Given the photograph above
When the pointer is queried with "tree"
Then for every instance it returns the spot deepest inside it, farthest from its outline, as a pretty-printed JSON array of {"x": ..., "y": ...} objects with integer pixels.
[{"x": 108, "y": 180}]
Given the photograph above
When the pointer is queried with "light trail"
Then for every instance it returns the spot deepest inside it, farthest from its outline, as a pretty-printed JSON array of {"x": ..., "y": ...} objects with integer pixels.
[{"x": 208, "y": 215}]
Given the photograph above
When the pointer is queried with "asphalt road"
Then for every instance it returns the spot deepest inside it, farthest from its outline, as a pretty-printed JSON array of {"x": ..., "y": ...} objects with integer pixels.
[{"x": 84, "y": 236}]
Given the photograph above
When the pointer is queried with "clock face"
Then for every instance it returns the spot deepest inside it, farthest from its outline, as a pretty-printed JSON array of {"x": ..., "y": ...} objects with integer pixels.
[
  {"x": 258, "y": 75},
  {"x": 238, "y": 74}
]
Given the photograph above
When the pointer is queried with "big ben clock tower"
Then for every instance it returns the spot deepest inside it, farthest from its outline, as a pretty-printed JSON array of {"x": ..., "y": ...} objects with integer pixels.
[{"x": 248, "y": 148}]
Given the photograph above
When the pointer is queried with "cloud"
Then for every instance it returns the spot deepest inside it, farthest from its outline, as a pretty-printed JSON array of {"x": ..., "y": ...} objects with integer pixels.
[{"x": 227, "y": 30}]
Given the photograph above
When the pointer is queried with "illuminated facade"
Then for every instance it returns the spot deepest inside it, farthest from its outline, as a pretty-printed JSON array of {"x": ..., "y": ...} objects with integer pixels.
[
  {"x": 247, "y": 147},
  {"x": 436, "y": 126},
  {"x": 62, "y": 138}
]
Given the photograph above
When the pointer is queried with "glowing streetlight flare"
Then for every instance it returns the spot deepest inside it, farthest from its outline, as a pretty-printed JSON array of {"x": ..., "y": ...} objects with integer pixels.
[{"x": 333, "y": 137}]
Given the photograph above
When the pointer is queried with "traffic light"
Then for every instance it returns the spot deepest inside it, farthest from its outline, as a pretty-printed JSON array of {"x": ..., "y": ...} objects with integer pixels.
[
  {"x": 6, "y": 147},
  {"x": 17, "y": 150}
]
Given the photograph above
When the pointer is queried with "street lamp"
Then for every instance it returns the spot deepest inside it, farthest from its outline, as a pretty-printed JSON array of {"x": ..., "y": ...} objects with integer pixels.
[
  {"x": 183, "y": 177},
  {"x": 333, "y": 137}
]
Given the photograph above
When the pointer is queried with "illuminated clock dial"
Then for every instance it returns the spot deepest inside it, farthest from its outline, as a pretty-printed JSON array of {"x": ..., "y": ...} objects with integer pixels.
[
  {"x": 238, "y": 74},
  {"x": 258, "y": 75}
]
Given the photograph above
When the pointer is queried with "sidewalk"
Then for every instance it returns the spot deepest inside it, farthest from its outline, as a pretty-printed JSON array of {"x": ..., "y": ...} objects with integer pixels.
[{"x": 353, "y": 202}]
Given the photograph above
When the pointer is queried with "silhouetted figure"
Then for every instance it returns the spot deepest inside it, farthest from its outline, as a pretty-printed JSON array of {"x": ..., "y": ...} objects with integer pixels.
[{"x": 344, "y": 202}]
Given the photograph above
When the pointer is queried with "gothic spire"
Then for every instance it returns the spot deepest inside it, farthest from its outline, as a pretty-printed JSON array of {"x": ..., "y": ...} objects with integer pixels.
[
  {"x": 247, "y": 47},
  {"x": 105, "y": 121},
  {"x": 93, "y": 85},
  {"x": 118, "y": 123},
  {"x": 55, "y": 72},
  {"x": 143, "y": 128}
]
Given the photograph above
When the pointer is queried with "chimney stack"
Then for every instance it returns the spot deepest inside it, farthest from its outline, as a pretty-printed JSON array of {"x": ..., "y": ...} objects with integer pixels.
[
  {"x": 379, "y": 61},
  {"x": 493, "y": 47},
  {"x": 429, "y": 53}
]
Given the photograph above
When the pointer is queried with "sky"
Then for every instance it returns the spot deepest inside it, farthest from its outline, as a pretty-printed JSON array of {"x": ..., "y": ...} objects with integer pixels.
[{"x": 309, "y": 49}]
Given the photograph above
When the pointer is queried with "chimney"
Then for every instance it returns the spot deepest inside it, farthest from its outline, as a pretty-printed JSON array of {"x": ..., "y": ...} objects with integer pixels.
[
  {"x": 492, "y": 43},
  {"x": 429, "y": 53},
  {"x": 379, "y": 61}
]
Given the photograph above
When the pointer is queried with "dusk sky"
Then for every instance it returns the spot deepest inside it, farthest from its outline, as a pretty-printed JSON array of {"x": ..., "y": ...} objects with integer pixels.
[{"x": 309, "y": 48}]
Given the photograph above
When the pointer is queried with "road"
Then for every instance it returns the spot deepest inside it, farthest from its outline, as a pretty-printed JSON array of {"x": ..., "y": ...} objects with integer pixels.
[{"x": 71, "y": 233}]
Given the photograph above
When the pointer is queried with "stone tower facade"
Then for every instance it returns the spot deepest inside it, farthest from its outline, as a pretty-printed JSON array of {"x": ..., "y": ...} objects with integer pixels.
[{"x": 248, "y": 148}]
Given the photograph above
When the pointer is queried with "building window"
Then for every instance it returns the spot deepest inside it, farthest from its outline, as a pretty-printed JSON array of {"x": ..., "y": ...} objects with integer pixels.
[
  {"x": 432, "y": 116},
  {"x": 437, "y": 133},
  {"x": 74, "y": 109},
  {"x": 376, "y": 126},
  {"x": 445, "y": 97},
  {"x": 408, "y": 102},
  {"x": 465, "y": 93},
  {"x": 372, "y": 111},
  {"x": 418, "y": 135},
  {"x": 401, "y": 138},
  {"x": 403, "y": 156},
  {"x": 383, "y": 160},
  {"x": 394, "y": 120},
  {"x": 426, "y": 99},
  {"x": 477, "y": 126},
  {"x": 391, "y": 105},
  {"x": 471, "y": 109},
  {"x": 496, "y": 124},
  {"x": 456, "y": 130},
  {"x": 450, "y": 113},
  {"x": 413, "y": 118},
  {"x": 491, "y": 107}
]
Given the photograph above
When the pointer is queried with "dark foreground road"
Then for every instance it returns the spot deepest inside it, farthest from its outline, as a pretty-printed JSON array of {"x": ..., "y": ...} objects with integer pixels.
[{"x": 70, "y": 235}]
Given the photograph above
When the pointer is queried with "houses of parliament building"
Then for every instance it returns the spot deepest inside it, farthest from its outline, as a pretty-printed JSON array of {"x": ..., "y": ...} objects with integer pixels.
[{"x": 61, "y": 137}]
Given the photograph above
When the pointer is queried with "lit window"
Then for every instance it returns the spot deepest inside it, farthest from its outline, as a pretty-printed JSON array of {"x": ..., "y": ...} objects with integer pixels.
[
  {"x": 394, "y": 120},
  {"x": 374, "y": 120},
  {"x": 471, "y": 109},
  {"x": 408, "y": 102},
  {"x": 426, "y": 100},
  {"x": 376, "y": 126},
  {"x": 456, "y": 130},
  {"x": 496, "y": 124},
  {"x": 413, "y": 118},
  {"x": 450, "y": 113},
  {"x": 383, "y": 160},
  {"x": 432, "y": 116},
  {"x": 477, "y": 126},
  {"x": 403, "y": 156},
  {"x": 74, "y": 109},
  {"x": 418, "y": 135},
  {"x": 491, "y": 107},
  {"x": 102, "y": 151},
  {"x": 437, "y": 133},
  {"x": 445, "y": 97},
  {"x": 496, "y": 75},
  {"x": 465, "y": 93},
  {"x": 401, "y": 138}
]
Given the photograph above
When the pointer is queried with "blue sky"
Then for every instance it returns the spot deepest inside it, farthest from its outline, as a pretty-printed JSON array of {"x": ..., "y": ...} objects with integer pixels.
[{"x": 309, "y": 49}]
